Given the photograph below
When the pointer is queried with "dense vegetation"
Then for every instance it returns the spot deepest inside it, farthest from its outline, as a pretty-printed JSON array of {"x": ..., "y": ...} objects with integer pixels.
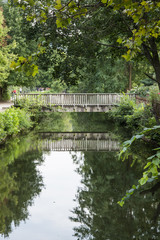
[
  {"x": 85, "y": 56},
  {"x": 12, "y": 121}
]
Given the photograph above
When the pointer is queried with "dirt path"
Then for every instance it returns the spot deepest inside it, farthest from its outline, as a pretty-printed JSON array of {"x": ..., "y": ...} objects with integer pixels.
[{"x": 5, "y": 105}]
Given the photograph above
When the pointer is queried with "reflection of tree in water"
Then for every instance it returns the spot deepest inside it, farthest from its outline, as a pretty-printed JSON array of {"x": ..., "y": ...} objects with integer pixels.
[
  {"x": 91, "y": 122},
  {"x": 20, "y": 183},
  {"x": 54, "y": 122},
  {"x": 104, "y": 179}
]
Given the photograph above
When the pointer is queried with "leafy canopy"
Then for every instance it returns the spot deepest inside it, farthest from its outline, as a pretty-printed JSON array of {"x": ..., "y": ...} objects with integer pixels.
[{"x": 144, "y": 15}]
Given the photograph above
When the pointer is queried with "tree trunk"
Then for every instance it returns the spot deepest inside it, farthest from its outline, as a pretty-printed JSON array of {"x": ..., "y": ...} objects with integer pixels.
[
  {"x": 151, "y": 53},
  {"x": 157, "y": 72},
  {"x": 155, "y": 60},
  {"x": 3, "y": 91}
]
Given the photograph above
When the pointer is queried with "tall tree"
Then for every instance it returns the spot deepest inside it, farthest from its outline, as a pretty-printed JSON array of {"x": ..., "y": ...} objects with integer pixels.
[
  {"x": 6, "y": 56},
  {"x": 130, "y": 27}
]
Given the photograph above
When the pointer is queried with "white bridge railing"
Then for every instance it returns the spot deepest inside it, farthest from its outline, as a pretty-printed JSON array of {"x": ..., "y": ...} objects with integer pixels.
[{"x": 73, "y": 100}]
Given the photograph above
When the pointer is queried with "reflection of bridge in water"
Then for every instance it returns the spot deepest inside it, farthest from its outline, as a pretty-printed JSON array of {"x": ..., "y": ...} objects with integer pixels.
[{"x": 68, "y": 141}]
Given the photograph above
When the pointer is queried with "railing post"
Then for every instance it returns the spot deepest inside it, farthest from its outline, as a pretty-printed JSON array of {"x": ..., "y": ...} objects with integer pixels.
[
  {"x": 50, "y": 100},
  {"x": 86, "y": 100},
  {"x": 74, "y": 100},
  {"x": 110, "y": 99},
  {"x": 97, "y": 100},
  {"x": 62, "y": 100},
  {"x": 74, "y": 143},
  {"x": 98, "y": 143},
  {"x": 86, "y": 143}
]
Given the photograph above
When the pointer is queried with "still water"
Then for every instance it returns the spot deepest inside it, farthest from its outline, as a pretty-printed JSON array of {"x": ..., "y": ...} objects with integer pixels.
[{"x": 48, "y": 191}]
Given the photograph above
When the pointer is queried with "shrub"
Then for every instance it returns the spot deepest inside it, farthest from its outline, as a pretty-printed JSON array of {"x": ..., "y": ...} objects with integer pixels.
[
  {"x": 154, "y": 94},
  {"x": 142, "y": 116},
  {"x": 12, "y": 121},
  {"x": 124, "y": 108},
  {"x": 141, "y": 90},
  {"x": 133, "y": 115},
  {"x": 24, "y": 119}
]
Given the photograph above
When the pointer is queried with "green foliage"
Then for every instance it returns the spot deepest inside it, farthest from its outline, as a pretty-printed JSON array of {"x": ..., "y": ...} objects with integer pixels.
[
  {"x": 154, "y": 94},
  {"x": 26, "y": 65},
  {"x": 34, "y": 102},
  {"x": 124, "y": 108},
  {"x": 140, "y": 90},
  {"x": 58, "y": 86},
  {"x": 6, "y": 55},
  {"x": 151, "y": 168},
  {"x": 142, "y": 116},
  {"x": 86, "y": 31},
  {"x": 13, "y": 121},
  {"x": 133, "y": 115},
  {"x": 134, "y": 10}
]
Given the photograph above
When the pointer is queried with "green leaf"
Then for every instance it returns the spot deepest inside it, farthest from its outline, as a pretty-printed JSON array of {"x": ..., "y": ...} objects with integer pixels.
[
  {"x": 156, "y": 161},
  {"x": 151, "y": 157},
  {"x": 121, "y": 203},
  {"x": 147, "y": 165},
  {"x": 142, "y": 181},
  {"x": 119, "y": 40}
]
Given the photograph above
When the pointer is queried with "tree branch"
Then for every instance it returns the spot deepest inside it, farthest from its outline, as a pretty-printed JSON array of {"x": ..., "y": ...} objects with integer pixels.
[
  {"x": 105, "y": 44},
  {"x": 150, "y": 77}
]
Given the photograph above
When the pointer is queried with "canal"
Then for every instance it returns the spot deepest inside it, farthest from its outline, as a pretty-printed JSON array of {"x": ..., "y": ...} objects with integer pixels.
[{"x": 64, "y": 179}]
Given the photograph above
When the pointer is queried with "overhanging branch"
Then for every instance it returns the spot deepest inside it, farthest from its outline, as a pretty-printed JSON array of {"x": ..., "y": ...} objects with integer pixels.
[{"x": 151, "y": 77}]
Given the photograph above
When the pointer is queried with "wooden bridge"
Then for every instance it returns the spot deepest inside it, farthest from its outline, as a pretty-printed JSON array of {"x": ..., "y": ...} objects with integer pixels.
[
  {"x": 72, "y": 102},
  {"x": 77, "y": 142}
]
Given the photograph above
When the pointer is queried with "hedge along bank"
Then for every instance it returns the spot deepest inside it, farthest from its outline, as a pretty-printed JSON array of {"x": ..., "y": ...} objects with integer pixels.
[{"x": 13, "y": 121}]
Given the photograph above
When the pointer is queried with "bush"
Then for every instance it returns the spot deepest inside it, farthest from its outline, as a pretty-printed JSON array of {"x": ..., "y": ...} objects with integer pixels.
[
  {"x": 133, "y": 115},
  {"x": 12, "y": 121},
  {"x": 124, "y": 108},
  {"x": 142, "y": 116},
  {"x": 141, "y": 90},
  {"x": 24, "y": 119},
  {"x": 154, "y": 94}
]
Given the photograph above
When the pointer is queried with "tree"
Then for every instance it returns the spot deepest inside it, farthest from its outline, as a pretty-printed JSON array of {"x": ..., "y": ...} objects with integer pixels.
[
  {"x": 6, "y": 56},
  {"x": 137, "y": 31}
]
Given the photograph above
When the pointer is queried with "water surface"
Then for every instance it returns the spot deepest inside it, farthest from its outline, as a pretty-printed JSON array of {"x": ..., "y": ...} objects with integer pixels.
[{"x": 50, "y": 194}]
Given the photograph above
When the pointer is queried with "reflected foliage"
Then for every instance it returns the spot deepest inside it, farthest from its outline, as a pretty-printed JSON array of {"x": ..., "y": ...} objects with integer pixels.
[
  {"x": 76, "y": 122},
  {"x": 54, "y": 122},
  {"x": 20, "y": 181},
  {"x": 91, "y": 122},
  {"x": 104, "y": 178}
]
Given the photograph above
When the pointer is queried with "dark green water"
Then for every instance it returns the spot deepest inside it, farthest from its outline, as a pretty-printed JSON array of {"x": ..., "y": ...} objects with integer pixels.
[{"x": 73, "y": 195}]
